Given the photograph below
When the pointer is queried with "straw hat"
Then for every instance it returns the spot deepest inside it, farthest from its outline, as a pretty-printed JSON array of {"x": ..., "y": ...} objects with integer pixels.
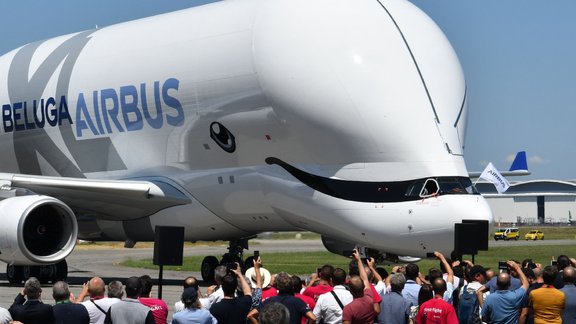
[{"x": 266, "y": 277}]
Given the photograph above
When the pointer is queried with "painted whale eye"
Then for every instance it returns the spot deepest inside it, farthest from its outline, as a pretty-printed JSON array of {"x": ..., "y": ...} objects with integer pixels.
[{"x": 223, "y": 137}]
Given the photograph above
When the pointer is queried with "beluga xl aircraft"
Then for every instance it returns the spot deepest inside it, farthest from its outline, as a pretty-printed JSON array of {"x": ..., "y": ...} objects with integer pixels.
[{"x": 342, "y": 117}]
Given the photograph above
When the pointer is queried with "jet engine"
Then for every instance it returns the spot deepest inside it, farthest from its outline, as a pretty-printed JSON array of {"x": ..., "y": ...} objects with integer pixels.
[{"x": 36, "y": 230}]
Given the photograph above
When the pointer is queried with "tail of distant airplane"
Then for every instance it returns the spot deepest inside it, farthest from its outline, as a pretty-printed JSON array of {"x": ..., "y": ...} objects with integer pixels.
[
  {"x": 519, "y": 167},
  {"x": 519, "y": 163}
]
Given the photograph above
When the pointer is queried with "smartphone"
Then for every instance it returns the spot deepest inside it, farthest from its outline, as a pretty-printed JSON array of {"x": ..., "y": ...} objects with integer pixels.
[
  {"x": 503, "y": 266},
  {"x": 554, "y": 263},
  {"x": 256, "y": 254},
  {"x": 430, "y": 255}
]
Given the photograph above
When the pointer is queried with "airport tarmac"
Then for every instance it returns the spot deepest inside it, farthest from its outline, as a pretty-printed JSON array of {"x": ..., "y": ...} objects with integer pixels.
[{"x": 85, "y": 263}]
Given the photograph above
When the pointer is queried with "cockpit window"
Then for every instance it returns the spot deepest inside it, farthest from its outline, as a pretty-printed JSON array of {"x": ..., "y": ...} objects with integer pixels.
[
  {"x": 430, "y": 188},
  {"x": 456, "y": 186},
  {"x": 441, "y": 186}
]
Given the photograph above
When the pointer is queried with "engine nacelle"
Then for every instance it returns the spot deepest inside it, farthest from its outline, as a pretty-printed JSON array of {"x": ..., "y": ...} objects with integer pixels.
[{"x": 36, "y": 230}]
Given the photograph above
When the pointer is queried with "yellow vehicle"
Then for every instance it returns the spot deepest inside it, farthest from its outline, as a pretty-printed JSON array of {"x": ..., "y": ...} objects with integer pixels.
[
  {"x": 508, "y": 233},
  {"x": 534, "y": 235}
]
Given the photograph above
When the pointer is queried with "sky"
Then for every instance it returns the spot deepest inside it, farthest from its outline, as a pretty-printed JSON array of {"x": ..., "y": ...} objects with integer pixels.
[{"x": 519, "y": 58}]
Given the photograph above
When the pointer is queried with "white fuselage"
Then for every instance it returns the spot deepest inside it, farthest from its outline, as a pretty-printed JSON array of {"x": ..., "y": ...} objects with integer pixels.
[{"x": 361, "y": 91}]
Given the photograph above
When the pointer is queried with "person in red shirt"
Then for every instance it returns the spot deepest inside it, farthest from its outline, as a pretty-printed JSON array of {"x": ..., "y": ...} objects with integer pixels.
[
  {"x": 361, "y": 309},
  {"x": 268, "y": 285},
  {"x": 353, "y": 270},
  {"x": 324, "y": 276},
  {"x": 157, "y": 306},
  {"x": 436, "y": 310}
]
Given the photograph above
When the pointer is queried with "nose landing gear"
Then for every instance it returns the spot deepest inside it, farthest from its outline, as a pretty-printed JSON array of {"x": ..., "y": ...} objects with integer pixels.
[{"x": 235, "y": 254}]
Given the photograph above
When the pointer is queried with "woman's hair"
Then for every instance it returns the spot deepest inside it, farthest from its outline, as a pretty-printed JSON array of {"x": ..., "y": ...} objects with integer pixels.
[{"x": 425, "y": 294}]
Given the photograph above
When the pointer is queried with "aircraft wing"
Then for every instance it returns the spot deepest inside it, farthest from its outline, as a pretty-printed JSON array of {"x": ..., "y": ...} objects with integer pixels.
[{"x": 105, "y": 199}]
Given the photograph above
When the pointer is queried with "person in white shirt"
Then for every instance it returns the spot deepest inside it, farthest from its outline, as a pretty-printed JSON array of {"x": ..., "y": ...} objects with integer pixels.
[
  {"x": 327, "y": 309},
  {"x": 192, "y": 282},
  {"x": 98, "y": 304}
]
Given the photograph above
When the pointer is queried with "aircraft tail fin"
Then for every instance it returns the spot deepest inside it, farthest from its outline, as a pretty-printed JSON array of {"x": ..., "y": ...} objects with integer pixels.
[{"x": 519, "y": 163}]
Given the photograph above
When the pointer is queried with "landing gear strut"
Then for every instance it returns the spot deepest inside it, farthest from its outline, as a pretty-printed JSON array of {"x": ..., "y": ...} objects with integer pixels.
[
  {"x": 235, "y": 254},
  {"x": 45, "y": 273}
]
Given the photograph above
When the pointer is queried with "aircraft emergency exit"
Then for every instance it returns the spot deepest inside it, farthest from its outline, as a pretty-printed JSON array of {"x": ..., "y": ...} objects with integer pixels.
[{"x": 343, "y": 117}]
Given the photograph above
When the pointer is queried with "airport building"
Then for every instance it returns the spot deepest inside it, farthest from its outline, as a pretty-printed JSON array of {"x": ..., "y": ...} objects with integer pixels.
[{"x": 532, "y": 202}]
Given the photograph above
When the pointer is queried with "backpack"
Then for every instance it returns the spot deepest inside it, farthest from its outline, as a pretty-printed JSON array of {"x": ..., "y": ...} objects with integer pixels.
[{"x": 468, "y": 308}]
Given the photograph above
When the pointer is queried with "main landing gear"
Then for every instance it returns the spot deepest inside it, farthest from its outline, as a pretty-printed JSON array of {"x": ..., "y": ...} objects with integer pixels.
[
  {"x": 235, "y": 254},
  {"x": 45, "y": 273}
]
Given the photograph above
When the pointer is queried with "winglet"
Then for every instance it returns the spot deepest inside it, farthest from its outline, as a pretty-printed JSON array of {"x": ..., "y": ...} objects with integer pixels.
[{"x": 519, "y": 163}]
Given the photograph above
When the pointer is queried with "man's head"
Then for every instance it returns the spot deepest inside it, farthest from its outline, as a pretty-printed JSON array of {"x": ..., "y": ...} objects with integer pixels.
[
  {"x": 146, "y": 283},
  {"x": 115, "y": 289},
  {"x": 284, "y": 283},
  {"x": 190, "y": 297},
  {"x": 297, "y": 284},
  {"x": 489, "y": 274},
  {"x": 503, "y": 281},
  {"x": 133, "y": 287},
  {"x": 339, "y": 277},
  {"x": 229, "y": 285},
  {"x": 356, "y": 286},
  {"x": 477, "y": 273},
  {"x": 96, "y": 287},
  {"x": 563, "y": 262},
  {"x": 569, "y": 275},
  {"x": 60, "y": 291},
  {"x": 326, "y": 272},
  {"x": 549, "y": 275},
  {"x": 274, "y": 313},
  {"x": 412, "y": 271},
  {"x": 397, "y": 282},
  {"x": 382, "y": 272},
  {"x": 439, "y": 286},
  {"x": 191, "y": 282},
  {"x": 537, "y": 274},
  {"x": 219, "y": 273},
  {"x": 434, "y": 273},
  {"x": 32, "y": 288}
]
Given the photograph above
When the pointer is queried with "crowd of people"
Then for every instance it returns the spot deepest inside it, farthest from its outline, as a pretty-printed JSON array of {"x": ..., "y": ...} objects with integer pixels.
[{"x": 455, "y": 292}]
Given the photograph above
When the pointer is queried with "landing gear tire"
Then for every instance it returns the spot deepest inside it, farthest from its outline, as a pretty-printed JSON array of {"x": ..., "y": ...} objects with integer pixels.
[
  {"x": 14, "y": 274},
  {"x": 31, "y": 271},
  {"x": 61, "y": 271},
  {"x": 207, "y": 268}
]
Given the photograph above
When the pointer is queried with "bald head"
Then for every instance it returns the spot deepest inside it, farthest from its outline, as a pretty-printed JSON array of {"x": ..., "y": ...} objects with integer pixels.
[
  {"x": 569, "y": 275},
  {"x": 96, "y": 287},
  {"x": 503, "y": 281},
  {"x": 191, "y": 282},
  {"x": 356, "y": 286}
]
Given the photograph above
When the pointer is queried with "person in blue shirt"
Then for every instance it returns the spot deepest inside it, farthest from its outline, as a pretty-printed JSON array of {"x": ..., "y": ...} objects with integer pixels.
[{"x": 193, "y": 311}]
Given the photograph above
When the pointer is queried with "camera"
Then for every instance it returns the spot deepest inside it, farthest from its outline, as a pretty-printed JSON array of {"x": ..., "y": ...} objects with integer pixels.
[{"x": 231, "y": 266}]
